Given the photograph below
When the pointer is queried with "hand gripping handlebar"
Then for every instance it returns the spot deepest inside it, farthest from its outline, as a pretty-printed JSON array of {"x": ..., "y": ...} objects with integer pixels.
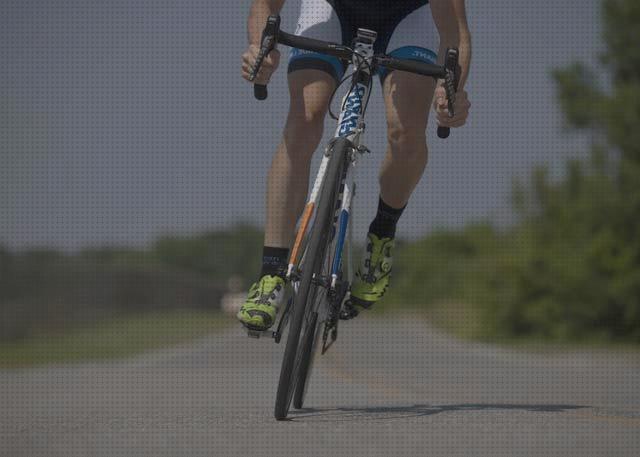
[
  {"x": 451, "y": 81},
  {"x": 267, "y": 44}
]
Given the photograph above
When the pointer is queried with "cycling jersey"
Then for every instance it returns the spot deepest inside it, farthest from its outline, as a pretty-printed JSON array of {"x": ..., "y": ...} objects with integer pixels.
[{"x": 405, "y": 29}]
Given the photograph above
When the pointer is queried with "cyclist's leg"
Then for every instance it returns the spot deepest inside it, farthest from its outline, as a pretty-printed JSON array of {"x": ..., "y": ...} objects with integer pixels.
[
  {"x": 288, "y": 178},
  {"x": 312, "y": 79},
  {"x": 287, "y": 186},
  {"x": 407, "y": 101}
]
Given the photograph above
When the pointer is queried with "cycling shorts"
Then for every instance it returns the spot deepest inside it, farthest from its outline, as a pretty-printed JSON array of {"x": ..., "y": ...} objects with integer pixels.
[{"x": 405, "y": 30}]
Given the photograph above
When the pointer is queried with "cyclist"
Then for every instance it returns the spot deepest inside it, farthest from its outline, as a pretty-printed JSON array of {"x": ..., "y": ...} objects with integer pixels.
[{"x": 414, "y": 29}]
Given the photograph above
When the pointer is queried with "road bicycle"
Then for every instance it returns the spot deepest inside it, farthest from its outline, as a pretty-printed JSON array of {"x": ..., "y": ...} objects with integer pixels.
[{"x": 317, "y": 269}]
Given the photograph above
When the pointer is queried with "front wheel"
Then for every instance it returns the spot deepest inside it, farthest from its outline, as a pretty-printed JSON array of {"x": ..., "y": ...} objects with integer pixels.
[
  {"x": 305, "y": 364},
  {"x": 292, "y": 367}
]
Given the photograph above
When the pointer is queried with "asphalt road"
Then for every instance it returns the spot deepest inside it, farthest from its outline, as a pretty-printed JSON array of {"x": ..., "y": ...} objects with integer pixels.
[{"x": 386, "y": 388}]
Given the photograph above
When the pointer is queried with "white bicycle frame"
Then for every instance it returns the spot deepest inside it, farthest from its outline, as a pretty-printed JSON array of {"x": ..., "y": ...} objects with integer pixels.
[{"x": 350, "y": 126}]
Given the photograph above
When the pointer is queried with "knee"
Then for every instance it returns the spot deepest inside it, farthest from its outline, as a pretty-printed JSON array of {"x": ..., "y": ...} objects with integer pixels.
[
  {"x": 407, "y": 141},
  {"x": 304, "y": 128}
]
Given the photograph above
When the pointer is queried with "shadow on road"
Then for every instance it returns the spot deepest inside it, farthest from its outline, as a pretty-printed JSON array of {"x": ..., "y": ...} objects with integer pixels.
[{"x": 347, "y": 413}]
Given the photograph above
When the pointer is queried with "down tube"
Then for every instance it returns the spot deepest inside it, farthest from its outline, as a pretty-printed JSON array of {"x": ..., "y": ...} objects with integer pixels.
[
  {"x": 307, "y": 214},
  {"x": 343, "y": 221}
]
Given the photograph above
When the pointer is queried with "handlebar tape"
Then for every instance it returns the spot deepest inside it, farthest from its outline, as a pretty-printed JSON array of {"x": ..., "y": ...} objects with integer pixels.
[
  {"x": 260, "y": 91},
  {"x": 268, "y": 42}
]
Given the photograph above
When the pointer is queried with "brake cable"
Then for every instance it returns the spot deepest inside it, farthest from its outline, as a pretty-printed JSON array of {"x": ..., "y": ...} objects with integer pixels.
[{"x": 362, "y": 62}]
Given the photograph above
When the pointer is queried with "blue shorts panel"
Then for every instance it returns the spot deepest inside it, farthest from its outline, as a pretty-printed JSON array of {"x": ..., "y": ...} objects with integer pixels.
[
  {"x": 300, "y": 59},
  {"x": 412, "y": 53}
]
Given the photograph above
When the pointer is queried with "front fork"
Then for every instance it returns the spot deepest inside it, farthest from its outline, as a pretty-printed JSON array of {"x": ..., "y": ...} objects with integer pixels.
[{"x": 343, "y": 222}]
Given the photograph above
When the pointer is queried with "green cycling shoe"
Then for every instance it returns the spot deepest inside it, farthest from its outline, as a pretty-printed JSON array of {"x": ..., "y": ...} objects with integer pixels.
[
  {"x": 372, "y": 277},
  {"x": 265, "y": 297}
]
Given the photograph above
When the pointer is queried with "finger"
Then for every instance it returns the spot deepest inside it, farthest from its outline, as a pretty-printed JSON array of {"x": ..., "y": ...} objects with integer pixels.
[
  {"x": 440, "y": 109},
  {"x": 252, "y": 52},
  {"x": 455, "y": 125},
  {"x": 261, "y": 80},
  {"x": 462, "y": 105},
  {"x": 443, "y": 115},
  {"x": 247, "y": 59},
  {"x": 262, "y": 77},
  {"x": 460, "y": 112},
  {"x": 273, "y": 58},
  {"x": 453, "y": 122},
  {"x": 266, "y": 69},
  {"x": 458, "y": 117},
  {"x": 270, "y": 62},
  {"x": 444, "y": 121},
  {"x": 267, "y": 66}
]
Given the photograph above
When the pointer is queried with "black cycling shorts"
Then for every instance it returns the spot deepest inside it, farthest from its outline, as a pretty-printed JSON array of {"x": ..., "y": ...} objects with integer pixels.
[{"x": 405, "y": 29}]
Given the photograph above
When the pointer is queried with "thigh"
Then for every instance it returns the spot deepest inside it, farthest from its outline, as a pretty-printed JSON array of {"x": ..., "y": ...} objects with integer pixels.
[
  {"x": 310, "y": 91},
  {"x": 407, "y": 99},
  {"x": 408, "y": 96}
]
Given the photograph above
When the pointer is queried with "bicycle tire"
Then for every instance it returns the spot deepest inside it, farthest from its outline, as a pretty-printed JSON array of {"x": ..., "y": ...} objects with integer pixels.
[
  {"x": 305, "y": 363},
  {"x": 310, "y": 336},
  {"x": 316, "y": 251}
]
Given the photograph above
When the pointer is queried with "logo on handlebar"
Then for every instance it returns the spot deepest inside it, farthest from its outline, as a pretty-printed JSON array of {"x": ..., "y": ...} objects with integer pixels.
[{"x": 351, "y": 113}]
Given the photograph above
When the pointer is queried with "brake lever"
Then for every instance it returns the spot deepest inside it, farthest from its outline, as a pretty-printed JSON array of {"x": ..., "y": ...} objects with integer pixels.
[{"x": 451, "y": 82}]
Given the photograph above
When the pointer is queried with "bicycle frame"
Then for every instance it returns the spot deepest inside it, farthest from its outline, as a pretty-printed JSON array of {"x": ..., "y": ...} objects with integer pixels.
[{"x": 350, "y": 126}]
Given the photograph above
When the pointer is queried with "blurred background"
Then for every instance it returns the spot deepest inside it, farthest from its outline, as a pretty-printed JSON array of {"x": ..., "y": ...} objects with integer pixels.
[{"x": 133, "y": 163}]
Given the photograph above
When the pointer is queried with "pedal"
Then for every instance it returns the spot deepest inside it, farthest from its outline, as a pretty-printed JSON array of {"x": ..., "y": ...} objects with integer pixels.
[
  {"x": 362, "y": 149},
  {"x": 261, "y": 333},
  {"x": 348, "y": 311}
]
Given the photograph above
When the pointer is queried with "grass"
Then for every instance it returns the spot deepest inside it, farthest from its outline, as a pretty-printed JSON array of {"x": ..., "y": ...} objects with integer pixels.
[
  {"x": 457, "y": 318},
  {"x": 453, "y": 317},
  {"x": 111, "y": 339},
  {"x": 463, "y": 321}
]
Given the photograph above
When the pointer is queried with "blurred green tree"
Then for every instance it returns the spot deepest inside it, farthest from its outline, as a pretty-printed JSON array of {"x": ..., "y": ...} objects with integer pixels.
[
  {"x": 570, "y": 268},
  {"x": 583, "y": 278}
]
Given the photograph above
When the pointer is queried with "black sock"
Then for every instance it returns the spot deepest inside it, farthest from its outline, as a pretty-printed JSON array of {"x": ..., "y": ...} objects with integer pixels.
[
  {"x": 384, "y": 225},
  {"x": 274, "y": 261}
]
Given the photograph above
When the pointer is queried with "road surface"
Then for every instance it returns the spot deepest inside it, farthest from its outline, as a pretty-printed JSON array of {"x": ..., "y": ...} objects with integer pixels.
[{"x": 386, "y": 388}]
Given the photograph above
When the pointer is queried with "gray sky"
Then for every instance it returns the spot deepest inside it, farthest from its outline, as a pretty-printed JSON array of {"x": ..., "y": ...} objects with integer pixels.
[{"x": 122, "y": 120}]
